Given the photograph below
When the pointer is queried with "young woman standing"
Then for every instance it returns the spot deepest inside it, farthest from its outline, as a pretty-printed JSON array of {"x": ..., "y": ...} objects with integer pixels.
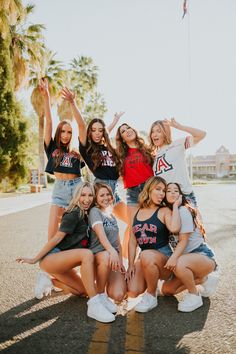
[
  {"x": 63, "y": 163},
  {"x": 170, "y": 160}
]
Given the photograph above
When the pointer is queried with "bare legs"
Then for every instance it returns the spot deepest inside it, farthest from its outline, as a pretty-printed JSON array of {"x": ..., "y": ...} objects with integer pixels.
[
  {"x": 114, "y": 282},
  {"x": 60, "y": 265},
  {"x": 55, "y": 215},
  {"x": 191, "y": 269},
  {"x": 131, "y": 210},
  {"x": 148, "y": 270},
  {"x": 120, "y": 211}
]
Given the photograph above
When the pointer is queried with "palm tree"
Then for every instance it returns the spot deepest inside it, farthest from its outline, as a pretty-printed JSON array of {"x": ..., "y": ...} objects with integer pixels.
[
  {"x": 53, "y": 71},
  {"x": 10, "y": 11},
  {"x": 94, "y": 107},
  {"x": 82, "y": 79},
  {"x": 27, "y": 46}
]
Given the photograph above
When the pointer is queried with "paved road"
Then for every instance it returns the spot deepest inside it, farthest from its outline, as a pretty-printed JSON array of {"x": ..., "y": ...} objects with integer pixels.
[{"x": 59, "y": 323}]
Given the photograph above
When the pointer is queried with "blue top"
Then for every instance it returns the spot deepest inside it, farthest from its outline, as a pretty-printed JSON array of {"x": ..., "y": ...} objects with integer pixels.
[{"x": 151, "y": 234}]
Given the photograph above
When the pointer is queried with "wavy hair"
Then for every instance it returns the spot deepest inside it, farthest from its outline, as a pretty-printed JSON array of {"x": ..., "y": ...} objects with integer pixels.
[
  {"x": 165, "y": 129},
  {"x": 93, "y": 148},
  {"x": 145, "y": 199},
  {"x": 74, "y": 203},
  {"x": 98, "y": 186},
  {"x": 197, "y": 222},
  {"x": 122, "y": 148}
]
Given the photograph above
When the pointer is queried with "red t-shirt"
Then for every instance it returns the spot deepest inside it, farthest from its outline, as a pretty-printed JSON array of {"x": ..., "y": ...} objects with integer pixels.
[{"x": 136, "y": 169}]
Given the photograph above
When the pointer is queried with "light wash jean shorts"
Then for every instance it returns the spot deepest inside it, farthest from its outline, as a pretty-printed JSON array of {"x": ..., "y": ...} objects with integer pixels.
[
  {"x": 113, "y": 183},
  {"x": 132, "y": 194},
  {"x": 204, "y": 250},
  {"x": 63, "y": 191}
]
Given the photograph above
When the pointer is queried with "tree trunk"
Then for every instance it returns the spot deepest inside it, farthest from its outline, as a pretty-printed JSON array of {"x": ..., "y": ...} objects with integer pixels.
[{"x": 43, "y": 177}]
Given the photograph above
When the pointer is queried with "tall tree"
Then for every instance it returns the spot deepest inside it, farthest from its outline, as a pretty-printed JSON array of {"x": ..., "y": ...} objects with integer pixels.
[
  {"x": 82, "y": 79},
  {"x": 27, "y": 46},
  {"x": 13, "y": 128}
]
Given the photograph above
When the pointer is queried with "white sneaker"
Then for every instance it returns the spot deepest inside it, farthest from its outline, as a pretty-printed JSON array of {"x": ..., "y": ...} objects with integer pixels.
[
  {"x": 210, "y": 285},
  {"x": 159, "y": 287},
  {"x": 43, "y": 285},
  {"x": 98, "y": 311},
  {"x": 110, "y": 306},
  {"x": 147, "y": 303},
  {"x": 190, "y": 302}
]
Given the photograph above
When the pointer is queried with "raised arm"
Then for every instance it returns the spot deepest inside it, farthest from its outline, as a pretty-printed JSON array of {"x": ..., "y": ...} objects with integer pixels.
[
  {"x": 115, "y": 121},
  {"x": 172, "y": 218},
  {"x": 197, "y": 134},
  {"x": 70, "y": 97},
  {"x": 53, "y": 242},
  {"x": 43, "y": 87}
]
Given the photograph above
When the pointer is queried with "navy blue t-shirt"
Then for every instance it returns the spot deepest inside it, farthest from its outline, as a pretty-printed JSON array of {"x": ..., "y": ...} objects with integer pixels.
[
  {"x": 107, "y": 168},
  {"x": 70, "y": 161}
]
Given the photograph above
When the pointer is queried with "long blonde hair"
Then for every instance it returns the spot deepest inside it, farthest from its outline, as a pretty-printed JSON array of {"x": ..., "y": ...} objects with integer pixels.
[
  {"x": 76, "y": 197},
  {"x": 165, "y": 129},
  {"x": 145, "y": 196}
]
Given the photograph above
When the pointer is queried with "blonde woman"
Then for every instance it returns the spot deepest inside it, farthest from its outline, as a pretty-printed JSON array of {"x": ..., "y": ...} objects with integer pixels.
[
  {"x": 170, "y": 160},
  {"x": 66, "y": 250}
]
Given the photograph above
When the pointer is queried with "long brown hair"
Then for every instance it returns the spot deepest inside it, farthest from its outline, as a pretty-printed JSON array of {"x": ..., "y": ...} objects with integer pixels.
[
  {"x": 57, "y": 138},
  {"x": 93, "y": 148},
  {"x": 197, "y": 222},
  {"x": 122, "y": 148},
  {"x": 144, "y": 199}
]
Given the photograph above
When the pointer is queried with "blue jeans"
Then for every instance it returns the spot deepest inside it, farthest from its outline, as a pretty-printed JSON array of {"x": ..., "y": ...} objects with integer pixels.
[
  {"x": 63, "y": 191},
  {"x": 132, "y": 194},
  {"x": 204, "y": 250}
]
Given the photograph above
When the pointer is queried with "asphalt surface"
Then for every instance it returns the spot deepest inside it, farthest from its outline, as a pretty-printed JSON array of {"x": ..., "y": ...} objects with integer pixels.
[{"x": 59, "y": 323}]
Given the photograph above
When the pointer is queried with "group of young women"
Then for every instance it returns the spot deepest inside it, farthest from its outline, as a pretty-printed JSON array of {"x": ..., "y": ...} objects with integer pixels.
[{"x": 161, "y": 217}]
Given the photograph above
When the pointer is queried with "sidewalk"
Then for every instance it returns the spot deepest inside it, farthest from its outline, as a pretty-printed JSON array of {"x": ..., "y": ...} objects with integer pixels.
[{"x": 23, "y": 201}]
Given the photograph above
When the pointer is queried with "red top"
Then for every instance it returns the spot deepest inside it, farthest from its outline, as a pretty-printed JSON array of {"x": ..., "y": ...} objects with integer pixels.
[{"x": 136, "y": 169}]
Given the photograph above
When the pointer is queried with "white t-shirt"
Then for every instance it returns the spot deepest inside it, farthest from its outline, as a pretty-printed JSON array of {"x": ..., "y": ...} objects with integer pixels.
[
  {"x": 170, "y": 163},
  {"x": 187, "y": 226}
]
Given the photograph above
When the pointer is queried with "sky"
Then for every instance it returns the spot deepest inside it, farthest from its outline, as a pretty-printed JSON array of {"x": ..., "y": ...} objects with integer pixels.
[{"x": 152, "y": 63}]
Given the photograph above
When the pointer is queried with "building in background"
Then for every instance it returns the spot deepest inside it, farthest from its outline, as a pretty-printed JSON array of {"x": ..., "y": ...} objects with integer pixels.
[{"x": 222, "y": 164}]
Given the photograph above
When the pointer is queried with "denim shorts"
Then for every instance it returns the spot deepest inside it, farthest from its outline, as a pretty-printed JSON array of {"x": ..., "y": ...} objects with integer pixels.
[
  {"x": 166, "y": 250},
  {"x": 132, "y": 194},
  {"x": 204, "y": 250},
  {"x": 191, "y": 198},
  {"x": 63, "y": 191},
  {"x": 54, "y": 250},
  {"x": 113, "y": 183}
]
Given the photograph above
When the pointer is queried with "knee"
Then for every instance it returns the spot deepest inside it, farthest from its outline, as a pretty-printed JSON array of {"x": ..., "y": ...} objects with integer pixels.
[
  {"x": 146, "y": 259},
  {"x": 104, "y": 260},
  {"x": 118, "y": 296},
  {"x": 88, "y": 256}
]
